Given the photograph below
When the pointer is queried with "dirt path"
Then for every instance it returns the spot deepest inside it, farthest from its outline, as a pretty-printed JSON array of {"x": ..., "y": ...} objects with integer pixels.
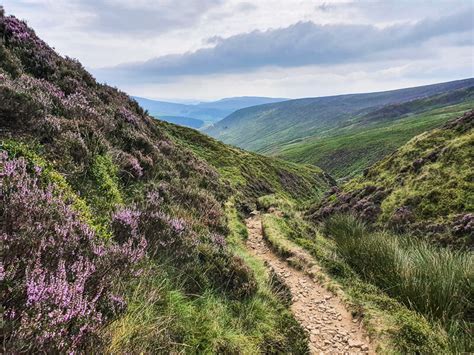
[{"x": 330, "y": 326}]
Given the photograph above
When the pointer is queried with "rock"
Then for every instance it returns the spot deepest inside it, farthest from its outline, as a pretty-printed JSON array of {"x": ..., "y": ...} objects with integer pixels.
[{"x": 354, "y": 343}]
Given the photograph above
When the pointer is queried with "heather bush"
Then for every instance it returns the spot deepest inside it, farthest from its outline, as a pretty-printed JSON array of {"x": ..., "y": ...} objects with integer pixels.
[
  {"x": 202, "y": 256},
  {"x": 37, "y": 57},
  {"x": 57, "y": 277}
]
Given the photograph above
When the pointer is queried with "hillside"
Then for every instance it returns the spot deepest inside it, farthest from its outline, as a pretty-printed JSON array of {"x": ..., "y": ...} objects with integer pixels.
[
  {"x": 347, "y": 151},
  {"x": 254, "y": 175},
  {"x": 115, "y": 226},
  {"x": 426, "y": 187},
  {"x": 322, "y": 131},
  {"x": 211, "y": 112}
]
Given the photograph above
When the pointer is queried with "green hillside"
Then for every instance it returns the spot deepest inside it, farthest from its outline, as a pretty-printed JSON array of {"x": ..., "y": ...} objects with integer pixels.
[
  {"x": 253, "y": 174},
  {"x": 343, "y": 134},
  {"x": 349, "y": 150},
  {"x": 426, "y": 187}
]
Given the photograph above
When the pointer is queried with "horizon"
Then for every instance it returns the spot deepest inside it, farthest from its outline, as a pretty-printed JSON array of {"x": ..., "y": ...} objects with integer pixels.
[
  {"x": 202, "y": 51},
  {"x": 197, "y": 102}
]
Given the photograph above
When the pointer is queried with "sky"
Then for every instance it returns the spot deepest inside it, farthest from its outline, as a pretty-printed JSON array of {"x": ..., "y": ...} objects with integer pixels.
[{"x": 181, "y": 50}]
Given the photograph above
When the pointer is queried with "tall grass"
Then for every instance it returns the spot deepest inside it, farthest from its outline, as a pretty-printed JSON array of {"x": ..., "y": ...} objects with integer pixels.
[{"x": 437, "y": 283}]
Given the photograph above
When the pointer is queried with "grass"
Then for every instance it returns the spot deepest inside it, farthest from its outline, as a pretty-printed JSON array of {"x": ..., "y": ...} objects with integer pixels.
[
  {"x": 346, "y": 152},
  {"x": 162, "y": 318},
  {"x": 272, "y": 226},
  {"x": 252, "y": 174},
  {"x": 435, "y": 193},
  {"x": 437, "y": 283},
  {"x": 393, "y": 321}
]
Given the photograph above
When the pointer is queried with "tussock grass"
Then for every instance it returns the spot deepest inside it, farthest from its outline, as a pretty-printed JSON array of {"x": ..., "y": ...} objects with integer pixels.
[{"x": 437, "y": 283}]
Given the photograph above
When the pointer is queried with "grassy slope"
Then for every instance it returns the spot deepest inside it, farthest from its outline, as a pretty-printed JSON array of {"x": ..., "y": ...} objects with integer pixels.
[
  {"x": 426, "y": 186},
  {"x": 101, "y": 151},
  {"x": 351, "y": 149},
  {"x": 253, "y": 174},
  {"x": 264, "y": 127},
  {"x": 344, "y": 134}
]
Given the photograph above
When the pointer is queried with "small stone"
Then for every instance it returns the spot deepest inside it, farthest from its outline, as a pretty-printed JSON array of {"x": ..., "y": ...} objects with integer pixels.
[{"x": 355, "y": 343}]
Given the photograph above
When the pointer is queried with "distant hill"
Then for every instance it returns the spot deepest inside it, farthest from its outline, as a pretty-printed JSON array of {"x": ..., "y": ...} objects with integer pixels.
[
  {"x": 348, "y": 150},
  {"x": 322, "y": 130},
  {"x": 204, "y": 111}
]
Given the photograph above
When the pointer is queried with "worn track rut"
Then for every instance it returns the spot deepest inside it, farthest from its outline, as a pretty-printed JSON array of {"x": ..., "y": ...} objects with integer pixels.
[{"x": 331, "y": 327}]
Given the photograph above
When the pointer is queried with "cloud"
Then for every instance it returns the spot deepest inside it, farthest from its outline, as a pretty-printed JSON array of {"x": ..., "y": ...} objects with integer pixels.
[
  {"x": 301, "y": 44},
  {"x": 145, "y": 16},
  {"x": 124, "y": 17},
  {"x": 246, "y": 7}
]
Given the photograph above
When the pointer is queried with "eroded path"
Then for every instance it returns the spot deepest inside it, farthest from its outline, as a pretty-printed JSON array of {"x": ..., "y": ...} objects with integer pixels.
[{"x": 330, "y": 326}]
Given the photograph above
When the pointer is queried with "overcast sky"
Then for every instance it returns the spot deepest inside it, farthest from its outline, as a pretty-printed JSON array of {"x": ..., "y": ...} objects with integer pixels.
[{"x": 209, "y": 49}]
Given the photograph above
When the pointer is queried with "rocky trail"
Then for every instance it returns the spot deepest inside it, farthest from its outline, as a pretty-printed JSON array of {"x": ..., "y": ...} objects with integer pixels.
[{"x": 331, "y": 327}]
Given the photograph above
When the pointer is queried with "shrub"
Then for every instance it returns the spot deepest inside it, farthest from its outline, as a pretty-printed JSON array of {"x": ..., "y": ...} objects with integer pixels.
[{"x": 57, "y": 276}]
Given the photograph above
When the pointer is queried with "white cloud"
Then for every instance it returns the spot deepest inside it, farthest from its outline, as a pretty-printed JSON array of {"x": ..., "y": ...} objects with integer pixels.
[{"x": 95, "y": 33}]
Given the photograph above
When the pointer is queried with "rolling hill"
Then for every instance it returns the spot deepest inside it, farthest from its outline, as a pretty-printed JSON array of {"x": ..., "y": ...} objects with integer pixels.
[
  {"x": 121, "y": 233},
  {"x": 346, "y": 133},
  {"x": 210, "y": 112}
]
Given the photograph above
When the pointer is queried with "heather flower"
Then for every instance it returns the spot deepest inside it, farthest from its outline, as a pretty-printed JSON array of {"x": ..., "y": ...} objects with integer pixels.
[
  {"x": 2, "y": 272},
  {"x": 218, "y": 241},
  {"x": 59, "y": 273},
  {"x": 128, "y": 116},
  {"x": 131, "y": 165}
]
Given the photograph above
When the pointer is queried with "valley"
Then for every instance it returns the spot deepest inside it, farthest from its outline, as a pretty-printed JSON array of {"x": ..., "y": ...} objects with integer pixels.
[
  {"x": 201, "y": 114},
  {"x": 346, "y": 227},
  {"x": 344, "y": 134}
]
